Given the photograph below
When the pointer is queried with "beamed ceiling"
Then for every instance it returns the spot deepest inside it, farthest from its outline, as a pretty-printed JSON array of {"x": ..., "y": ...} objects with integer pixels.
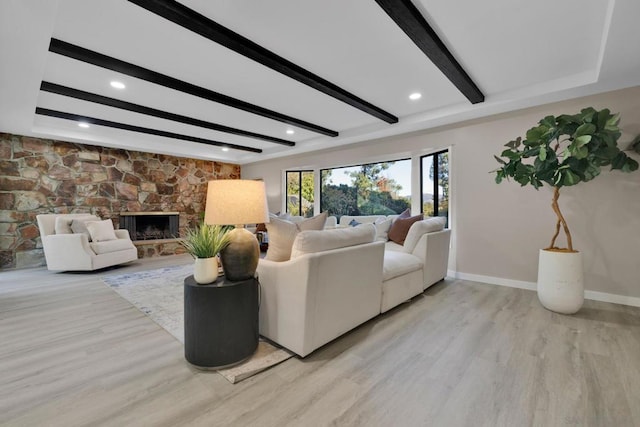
[{"x": 225, "y": 80}]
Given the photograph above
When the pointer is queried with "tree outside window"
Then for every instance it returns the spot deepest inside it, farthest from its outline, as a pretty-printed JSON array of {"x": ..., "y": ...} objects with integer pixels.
[
  {"x": 300, "y": 193},
  {"x": 434, "y": 170},
  {"x": 371, "y": 189}
]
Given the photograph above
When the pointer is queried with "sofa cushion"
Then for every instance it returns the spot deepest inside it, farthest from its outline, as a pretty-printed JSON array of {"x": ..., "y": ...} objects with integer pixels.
[
  {"x": 427, "y": 225},
  {"x": 282, "y": 234},
  {"x": 382, "y": 229},
  {"x": 79, "y": 225},
  {"x": 63, "y": 222},
  {"x": 101, "y": 231},
  {"x": 399, "y": 263},
  {"x": 393, "y": 246},
  {"x": 400, "y": 227},
  {"x": 111, "y": 246},
  {"x": 307, "y": 242}
]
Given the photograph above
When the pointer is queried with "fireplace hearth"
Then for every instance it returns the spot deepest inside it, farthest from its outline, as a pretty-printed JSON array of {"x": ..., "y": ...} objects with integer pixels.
[{"x": 150, "y": 225}]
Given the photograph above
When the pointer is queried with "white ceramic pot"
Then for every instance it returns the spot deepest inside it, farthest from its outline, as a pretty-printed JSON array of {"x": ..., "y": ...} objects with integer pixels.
[
  {"x": 560, "y": 281},
  {"x": 205, "y": 270}
]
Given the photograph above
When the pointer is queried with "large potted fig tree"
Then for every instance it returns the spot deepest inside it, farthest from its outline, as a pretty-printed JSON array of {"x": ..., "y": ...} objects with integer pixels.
[{"x": 563, "y": 151}]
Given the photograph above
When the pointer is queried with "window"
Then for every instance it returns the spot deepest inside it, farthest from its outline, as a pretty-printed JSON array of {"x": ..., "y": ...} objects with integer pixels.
[
  {"x": 434, "y": 172},
  {"x": 371, "y": 189},
  {"x": 300, "y": 193}
]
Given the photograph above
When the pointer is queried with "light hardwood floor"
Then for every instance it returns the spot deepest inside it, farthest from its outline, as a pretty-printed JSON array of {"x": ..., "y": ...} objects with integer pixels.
[{"x": 73, "y": 352}]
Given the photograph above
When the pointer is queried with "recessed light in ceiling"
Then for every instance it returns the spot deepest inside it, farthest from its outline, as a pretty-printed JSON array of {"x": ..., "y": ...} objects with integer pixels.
[
  {"x": 225, "y": 148},
  {"x": 117, "y": 85},
  {"x": 290, "y": 131},
  {"x": 83, "y": 124},
  {"x": 415, "y": 96}
]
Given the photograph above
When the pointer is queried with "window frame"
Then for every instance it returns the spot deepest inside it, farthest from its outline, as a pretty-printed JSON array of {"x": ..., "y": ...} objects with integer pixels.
[{"x": 436, "y": 193}]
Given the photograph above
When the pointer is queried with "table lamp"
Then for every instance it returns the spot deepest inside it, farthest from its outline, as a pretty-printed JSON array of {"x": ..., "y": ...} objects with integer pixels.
[{"x": 237, "y": 202}]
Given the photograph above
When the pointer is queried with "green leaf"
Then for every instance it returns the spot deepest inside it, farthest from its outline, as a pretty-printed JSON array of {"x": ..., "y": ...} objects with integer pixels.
[
  {"x": 582, "y": 140},
  {"x": 511, "y": 155},
  {"x": 591, "y": 172},
  {"x": 543, "y": 154},
  {"x": 513, "y": 144},
  {"x": 585, "y": 129},
  {"x": 630, "y": 165},
  {"x": 549, "y": 121},
  {"x": 581, "y": 153},
  {"x": 603, "y": 116},
  {"x": 569, "y": 178},
  {"x": 612, "y": 123},
  {"x": 619, "y": 161},
  {"x": 502, "y": 162},
  {"x": 535, "y": 135}
]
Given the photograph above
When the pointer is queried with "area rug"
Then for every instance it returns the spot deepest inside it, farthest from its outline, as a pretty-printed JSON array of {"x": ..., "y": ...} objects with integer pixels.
[{"x": 160, "y": 295}]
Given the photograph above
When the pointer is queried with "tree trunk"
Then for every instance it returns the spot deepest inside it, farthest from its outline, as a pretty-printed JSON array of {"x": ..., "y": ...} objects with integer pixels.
[{"x": 560, "y": 221}]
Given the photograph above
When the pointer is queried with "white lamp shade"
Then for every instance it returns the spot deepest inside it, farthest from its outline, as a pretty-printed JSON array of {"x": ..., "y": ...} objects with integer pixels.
[{"x": 236, "y": 201}]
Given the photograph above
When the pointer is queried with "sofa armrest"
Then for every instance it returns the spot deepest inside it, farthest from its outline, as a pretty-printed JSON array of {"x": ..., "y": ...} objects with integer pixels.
[
  {"x": 433, "y": 249},
  {"x": 67, "y": 251},
  {"x": 312, "y": 299},
  {"x": 122, "y": 234}
]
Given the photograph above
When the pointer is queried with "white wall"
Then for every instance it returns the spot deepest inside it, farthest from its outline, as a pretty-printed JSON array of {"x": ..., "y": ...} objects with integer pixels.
[{"x": 498, "y": 229}]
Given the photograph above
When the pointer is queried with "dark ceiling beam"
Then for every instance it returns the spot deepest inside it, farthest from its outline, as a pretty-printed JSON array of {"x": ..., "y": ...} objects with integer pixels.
[
  {"x": 411, "y": 21},
  {"x": 129, "y": 106},
  {"x": 139, "y": 129},
  {"x": 85, "y": 55},
  {"x": 200, "y": 24}
]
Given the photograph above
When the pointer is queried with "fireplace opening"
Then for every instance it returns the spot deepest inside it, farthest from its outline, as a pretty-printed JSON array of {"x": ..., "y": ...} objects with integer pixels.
[{"x": 150, "y": 225}]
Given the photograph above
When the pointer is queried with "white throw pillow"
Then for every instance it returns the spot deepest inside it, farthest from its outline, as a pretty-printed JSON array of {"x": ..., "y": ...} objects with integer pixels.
[
  {"x": 311, "y": 241},
  {"x": 382, "y": 229},
  {"x": 427, "y": 225},
  {"x": 79, "y": 225},
  {"x": 282, "y": 234},
  {"x": 63, "y": 222},
  {"x": 101, "y": 231}
]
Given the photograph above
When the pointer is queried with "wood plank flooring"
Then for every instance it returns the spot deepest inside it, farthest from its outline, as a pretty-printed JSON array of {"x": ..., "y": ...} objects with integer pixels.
[{"x": 74, "y": 353}]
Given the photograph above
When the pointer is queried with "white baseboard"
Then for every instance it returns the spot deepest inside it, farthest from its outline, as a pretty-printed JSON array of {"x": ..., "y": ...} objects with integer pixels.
[{"x": 592, "y": 295}]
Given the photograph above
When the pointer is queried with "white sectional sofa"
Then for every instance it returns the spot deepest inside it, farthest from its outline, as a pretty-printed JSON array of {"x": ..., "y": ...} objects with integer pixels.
[{"x": 339, "y": 278}]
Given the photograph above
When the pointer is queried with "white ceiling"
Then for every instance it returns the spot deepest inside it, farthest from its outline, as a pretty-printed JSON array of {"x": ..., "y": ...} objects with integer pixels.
[{"x": 519, "y": 53}]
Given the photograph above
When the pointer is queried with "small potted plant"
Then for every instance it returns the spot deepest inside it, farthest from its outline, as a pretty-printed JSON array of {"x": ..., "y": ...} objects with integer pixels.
[
  {"x": 563, "y": 151},
  {"x": 204, "y": 242}
]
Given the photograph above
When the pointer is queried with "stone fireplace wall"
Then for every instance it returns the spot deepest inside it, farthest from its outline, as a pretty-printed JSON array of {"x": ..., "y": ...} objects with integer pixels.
[{"x": 47, "y": 176}]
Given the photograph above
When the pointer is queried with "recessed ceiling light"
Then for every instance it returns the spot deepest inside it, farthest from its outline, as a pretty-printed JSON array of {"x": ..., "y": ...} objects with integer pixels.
[
  {"x": 83, "y": 124},
  {"x": 117, "y": 85},
  {"x": 290, "y": 131},
  {"x": 414, "y": 96},
  {"x": 225, "y": 148}
]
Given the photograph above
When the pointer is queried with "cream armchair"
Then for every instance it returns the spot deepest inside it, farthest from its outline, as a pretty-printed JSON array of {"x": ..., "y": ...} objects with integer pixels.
[{"x": 71, "y": 252}]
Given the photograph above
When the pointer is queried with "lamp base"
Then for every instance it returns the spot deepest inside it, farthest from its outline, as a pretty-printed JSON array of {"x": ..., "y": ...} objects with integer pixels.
[{"x": 240, "y": 257}]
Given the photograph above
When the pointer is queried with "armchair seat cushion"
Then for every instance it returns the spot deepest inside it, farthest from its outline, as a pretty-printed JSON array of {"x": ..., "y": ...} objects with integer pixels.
[
  {"x": 398, "y": 264},
  {"x": 109, "y": 246}
]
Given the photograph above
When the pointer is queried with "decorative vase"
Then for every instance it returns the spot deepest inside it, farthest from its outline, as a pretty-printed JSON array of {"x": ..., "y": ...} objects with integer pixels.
[
  {"x": 560, "y": 281},
  {"x": 240, "y": 257},
  {"x": 205, "y": 270}
]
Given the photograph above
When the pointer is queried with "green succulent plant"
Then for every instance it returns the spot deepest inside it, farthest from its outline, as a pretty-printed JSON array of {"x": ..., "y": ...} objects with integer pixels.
[
  {"x": 205, "y": 241},
  {"x": 563, "y": 151}
]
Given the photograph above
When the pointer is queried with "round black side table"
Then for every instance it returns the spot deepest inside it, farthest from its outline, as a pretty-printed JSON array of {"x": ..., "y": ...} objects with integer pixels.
[{"x": 220, "y": 322}]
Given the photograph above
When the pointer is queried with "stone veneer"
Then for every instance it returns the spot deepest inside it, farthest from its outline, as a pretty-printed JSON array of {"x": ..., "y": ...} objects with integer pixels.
[{"x": 45, "y": 176}]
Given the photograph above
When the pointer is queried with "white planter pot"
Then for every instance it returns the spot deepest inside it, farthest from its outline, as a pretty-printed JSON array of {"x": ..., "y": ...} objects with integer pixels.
[
  {"x": 560, "y": 281},
  {"x": 205, "y": 270}
]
